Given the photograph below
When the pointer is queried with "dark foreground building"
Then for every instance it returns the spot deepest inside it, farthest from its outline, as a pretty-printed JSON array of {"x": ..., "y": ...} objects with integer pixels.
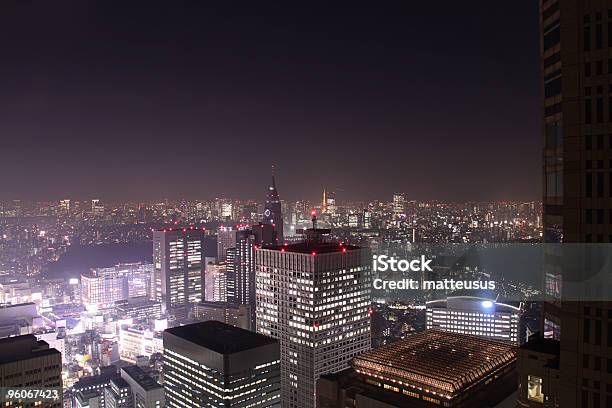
[
  {"x": 212, "y": 364},
  {"x": 27, "y": 362},
  {"x": 429, "y": 369},
  {"x": 576, "y": 63}
]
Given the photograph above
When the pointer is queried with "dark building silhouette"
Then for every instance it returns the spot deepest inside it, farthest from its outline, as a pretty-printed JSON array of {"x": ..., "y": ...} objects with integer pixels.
[
  {"x": 273, "y": 212},
  {"x": 575, "y": 40},
  {"x": 28, "y": 362}
]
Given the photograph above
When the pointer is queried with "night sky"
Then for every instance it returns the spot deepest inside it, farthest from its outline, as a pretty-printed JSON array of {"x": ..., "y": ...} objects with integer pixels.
[{"x": 197, "y": 99}]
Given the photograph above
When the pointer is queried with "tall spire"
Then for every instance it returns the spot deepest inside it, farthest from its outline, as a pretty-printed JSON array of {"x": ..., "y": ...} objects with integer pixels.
[{"x": 273, "y": 179}]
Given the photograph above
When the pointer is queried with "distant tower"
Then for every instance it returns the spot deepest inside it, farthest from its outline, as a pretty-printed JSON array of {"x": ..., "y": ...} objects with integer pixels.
[
  {"x": 399, "y": 206},
  {"x": 272, "y": 211},
  {"x": 324, "y": 203},
  {"x": 329, "y": 203}
]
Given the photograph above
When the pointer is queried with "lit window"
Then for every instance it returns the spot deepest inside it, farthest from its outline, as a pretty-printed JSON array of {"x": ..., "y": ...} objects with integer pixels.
[{"x": 534, "y": 393}]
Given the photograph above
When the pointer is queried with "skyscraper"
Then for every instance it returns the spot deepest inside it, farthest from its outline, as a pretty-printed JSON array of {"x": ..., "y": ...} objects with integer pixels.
[
  {"x": 212, "y": 364},
  {"x": 244, "y": 267},
  {"x": 329, "y": 203},
  {"x": 575, "y": 41},
  {"x": 399, "y": 206},
  {"x": 216, "y": 282},
  {"x": 179, "y": 264},
  {"x": 314, "y": 297},
  {"x": 226, "y": 238},
  {"x": 272, "y": 211}
]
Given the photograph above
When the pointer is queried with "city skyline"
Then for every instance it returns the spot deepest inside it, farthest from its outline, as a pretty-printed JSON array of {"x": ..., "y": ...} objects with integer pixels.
[
  {"x": 306, "y": 206},
  {"x": 115, "y": 99}
]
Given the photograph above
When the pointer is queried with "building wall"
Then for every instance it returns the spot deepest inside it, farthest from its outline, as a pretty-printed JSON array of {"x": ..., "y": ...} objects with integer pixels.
[
  {"x": 196, "y": 376},
  {"x": 320, "y": 328}
]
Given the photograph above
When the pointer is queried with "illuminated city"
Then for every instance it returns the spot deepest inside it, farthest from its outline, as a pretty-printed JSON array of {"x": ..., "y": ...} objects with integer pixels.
[{"x": 255, "y": 205}]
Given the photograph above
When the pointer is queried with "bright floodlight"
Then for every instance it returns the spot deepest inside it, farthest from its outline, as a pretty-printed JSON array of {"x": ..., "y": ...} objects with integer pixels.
[{"x": 487, "y": 304}]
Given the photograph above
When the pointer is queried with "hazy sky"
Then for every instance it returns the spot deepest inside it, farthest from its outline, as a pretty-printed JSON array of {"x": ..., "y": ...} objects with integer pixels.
[{"x": 197, "y": 99}]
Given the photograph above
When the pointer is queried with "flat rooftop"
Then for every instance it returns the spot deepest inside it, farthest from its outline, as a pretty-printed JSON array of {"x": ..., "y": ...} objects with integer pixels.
[
  {"x": 24, "y": 348},
  {"x": 95, "y": 380},
  {"x": 220, "y": 337},
  {"x": 445, "y": 363},
  {"x": 316, "y": 247},
  {"x": 140, "y": 377}
]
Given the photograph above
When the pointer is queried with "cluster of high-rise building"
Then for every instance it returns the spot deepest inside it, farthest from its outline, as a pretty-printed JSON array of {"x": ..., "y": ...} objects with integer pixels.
[
  {"x": 245, "y": 314},
  {"x": 251, "y": 306}
]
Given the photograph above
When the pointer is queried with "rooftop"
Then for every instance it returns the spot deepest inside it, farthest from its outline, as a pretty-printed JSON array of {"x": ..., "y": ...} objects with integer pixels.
[
  {"x": 95, "y": 380},
  {"x": 142, "y": 378},
  {"x": 440, "y": 362},
  {"x": 308, "y": 247},
  {"x": 220, "y": 337},
  {"x": 24, "y": 348}
]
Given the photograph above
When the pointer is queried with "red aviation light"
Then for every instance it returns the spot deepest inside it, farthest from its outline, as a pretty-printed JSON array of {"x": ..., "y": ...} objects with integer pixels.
[
  {"x": 344, "y": 250},
  {"x": 184, "y": 229},
  {"x": 313, "y": 212},
  {"x": 313, "y": 253}
]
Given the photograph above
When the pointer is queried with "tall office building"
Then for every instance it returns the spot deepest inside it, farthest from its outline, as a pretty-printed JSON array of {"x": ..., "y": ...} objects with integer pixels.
[
  {"x": 226, "y": 239},
  {"x": 241, "y": 268},
  {"x": 27, "y": 362},
  {"x": 314, "y": 297},
  {"x": 575, "y": 41},
  {"x": 97, "y": 208},
  {"x": 367, "y": 218},
  {"x": 212, "y": 364},
  {"x": 273, "y": 213},
  {"x": 215, "y": 281},
  {"x": 179, "y": 268},
  {"x": 481, "y": 316},
  {"x": 264, "y": 234},
  {"x": 399, "y": 205},
  {"x": 328, "y": 205}
]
